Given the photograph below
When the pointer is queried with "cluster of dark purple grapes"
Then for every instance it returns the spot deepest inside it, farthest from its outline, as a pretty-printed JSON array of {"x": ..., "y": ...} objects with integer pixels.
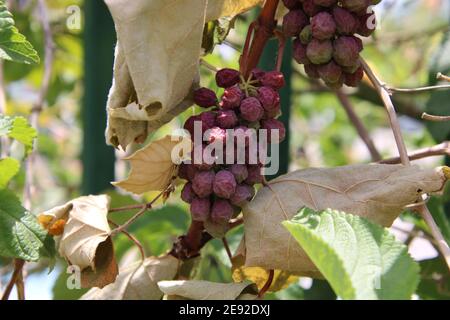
[
  {"x": 325, "y": 41},
  {"x": 216, "y": 191}
]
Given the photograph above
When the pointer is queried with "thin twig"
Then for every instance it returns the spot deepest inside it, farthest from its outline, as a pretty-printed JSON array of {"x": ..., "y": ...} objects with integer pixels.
[
  {"x": 417, "y": 90},
  {"x": 132, "y": 238},
  {"x": 416, "y": 234},
  {"x": 232, "y": 45},
  {"x": 385, "y": 97},
  {"x": 227, "y": 249},
  {"x": 18, "y": 265},
  {"x": 20, "y": 285},
  {"x": 359, "y": 126},
  {"x": 442, "y": 77},
  {"x": 437, "y": 150},
  {"x": 422, "y": 209},
  {"x": 437, "y": 235},
  {"x": 208, "y": 66},
  {"x": 127, "y": 208},
  {"x": 144, "y": 208},
  {"x": 131, "y": 220},
  {"x": 431, "y": 117}
]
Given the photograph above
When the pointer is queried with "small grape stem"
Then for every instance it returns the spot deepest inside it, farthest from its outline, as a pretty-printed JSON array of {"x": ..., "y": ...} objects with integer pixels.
[
  {"x": 227, "y": 249},
  {"x": 441, "y": 149},
  {"x": 144, "y": 208},
  {"x": 417, "y": 90},
  {"x": 430, "y": 117}
]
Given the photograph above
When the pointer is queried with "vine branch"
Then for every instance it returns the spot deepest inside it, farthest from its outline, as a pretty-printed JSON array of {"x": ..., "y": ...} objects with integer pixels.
[
  {"x": 422, "y": 209},
  {"x": 442, "y": 77},
  {"x": 18, "y": 265},
  {"x": 417, "y": 90},
  {"x": 430, "y": 117},
  {"x": 437, "y": 150}
]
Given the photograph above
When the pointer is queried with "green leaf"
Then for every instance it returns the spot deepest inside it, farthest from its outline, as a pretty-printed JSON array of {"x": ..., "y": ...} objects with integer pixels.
[
  {"x": 9, "y": 167},
  {"x": 21, "y": 234},
  {"x": 18, "y": 128},
  {"x": 360, "y": 259},
  {"x": 13, "y": 45}
]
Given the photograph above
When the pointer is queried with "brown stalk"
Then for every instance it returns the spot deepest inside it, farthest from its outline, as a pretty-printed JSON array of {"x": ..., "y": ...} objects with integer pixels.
[{"x": 422, "y": 209}]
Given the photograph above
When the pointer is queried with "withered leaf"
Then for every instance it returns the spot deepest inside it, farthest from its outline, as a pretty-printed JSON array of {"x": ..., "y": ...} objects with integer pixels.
[
  {"x": 85, "y": 240},
  {"x": 153, "y": 77},
  {"x": 377, "y": 192},
  {"x": 154, "y": 166},
  {"x": 205, "y": 290},
  {"x": 139, "y": 281}
]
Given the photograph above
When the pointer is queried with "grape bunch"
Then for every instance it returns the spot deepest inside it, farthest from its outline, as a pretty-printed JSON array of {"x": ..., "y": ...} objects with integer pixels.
[
  {"x": 326, "y": 40},
  {"x": 216, "y": 191}
]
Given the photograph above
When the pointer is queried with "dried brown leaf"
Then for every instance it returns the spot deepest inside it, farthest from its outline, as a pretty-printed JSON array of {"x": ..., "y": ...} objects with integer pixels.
[
  {"x": 205, "y": 290},
  {"x": 377, "y": 192},
  {"x": 154, "y": 166},
  {"x": 156, "y": 61},
  {"x": 139, "y": 281},
  {"x": 85, "y": 240}
]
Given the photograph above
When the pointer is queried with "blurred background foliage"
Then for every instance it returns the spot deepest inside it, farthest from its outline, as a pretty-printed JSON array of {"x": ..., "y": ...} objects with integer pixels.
[{"x": 411, "y": 45}]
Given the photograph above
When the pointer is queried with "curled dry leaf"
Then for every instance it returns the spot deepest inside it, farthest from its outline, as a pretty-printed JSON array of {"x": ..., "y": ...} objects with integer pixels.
[
  {"x": 85, "y": 240},
  {"x": 139, "y": 281},
  {"x": 154, "y": 78},
  {"x": 377, "y": 192},
  {"x": 205, "y": 290},
  {"x": 154, "y": 166}
]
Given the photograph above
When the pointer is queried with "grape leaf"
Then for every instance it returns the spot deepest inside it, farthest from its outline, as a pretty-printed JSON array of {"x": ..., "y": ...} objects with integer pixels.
[
  {"x": 19, "y": 129},
  {"x": 21, "y": 234},
  {"x": 205, "y": 290},
  {"x": 360, "y": 259},
  {"x": 9, "y": 167},
  {"x": 13, "y": 45},
  {"x": 138, "y": 281},
  {"x": 154, "y": 166},
  {"x": 85, "y": 240},
  {"x": 153, "y": 78},
  {"x": 376, "y": 192}
]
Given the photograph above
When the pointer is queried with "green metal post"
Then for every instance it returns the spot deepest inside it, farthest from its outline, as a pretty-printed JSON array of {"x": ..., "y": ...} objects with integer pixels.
[{"x": 99, "y": 41}]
